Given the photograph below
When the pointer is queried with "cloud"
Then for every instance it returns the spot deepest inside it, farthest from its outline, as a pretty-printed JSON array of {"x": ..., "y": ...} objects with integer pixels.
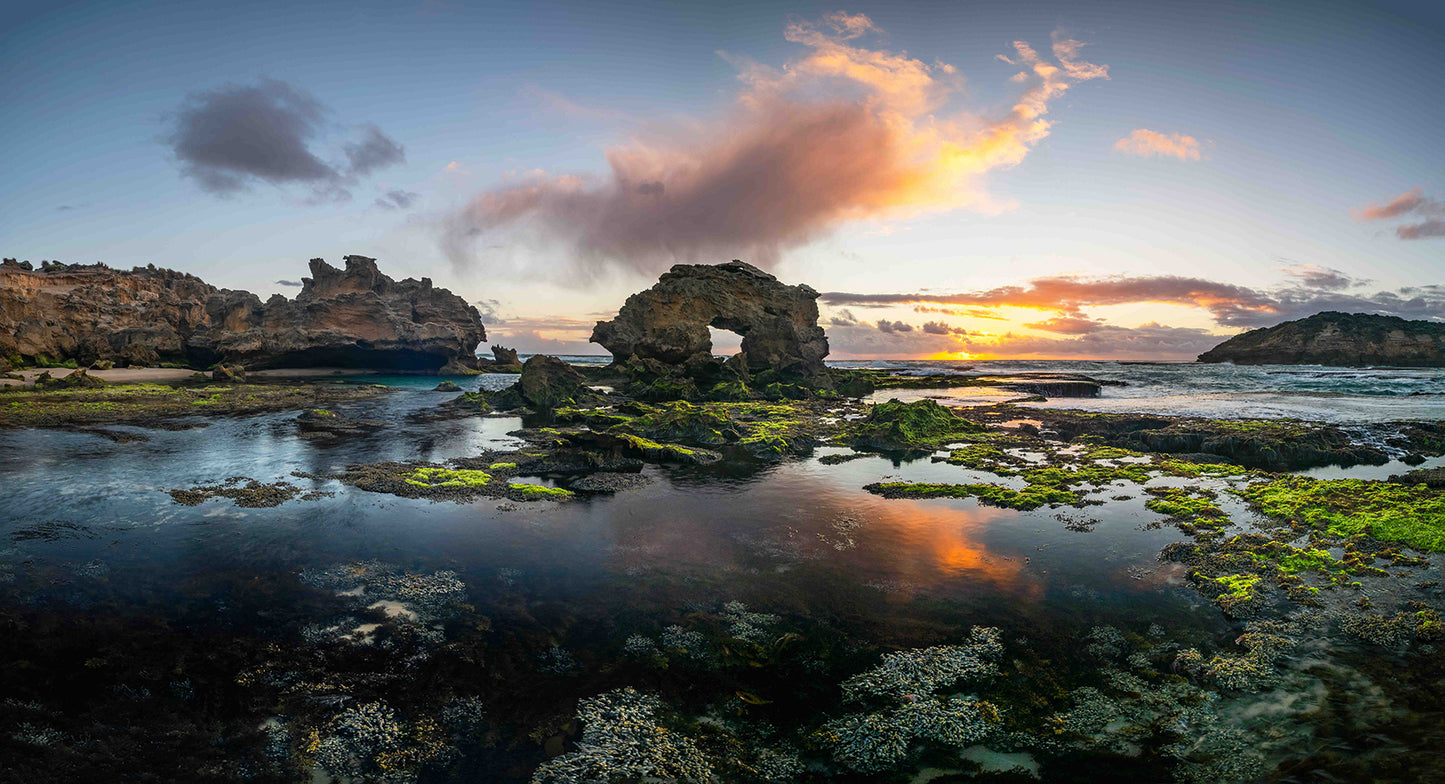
[
  {"x": 231, "y": 137},
  {"x": 1146, "y": 143},
  {"x": 884, "y": 325},
  {"x": 1152, "y": 340},
  {"x": 1068, "y": 326},
  {"x": 291, "y": 283},
  {"x": 397, "y": 199},
  {"x": 375, "y": 151},
  {"x": 942, "y": 328},
  {"x": 1404, "y": 204},
  {"x": 1229, "y": 304},
  {"x": 844, "y": 318},
  {"x": 1317, "y": 277},
  {"x": 842, "y": 133},
  {"x": 1433, "y": 227},
  {"x": 1412, "y": 202},
  {"x": 1066, "y": 294}
]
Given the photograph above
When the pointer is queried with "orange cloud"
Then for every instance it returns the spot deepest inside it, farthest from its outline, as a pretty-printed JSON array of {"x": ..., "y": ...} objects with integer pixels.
[
  {"x": 1410, "y": 202},
  {"x": 842, "y": 133},
  {"x": 1145, "y": 143},
  {"x": 1405, "y": 203}
]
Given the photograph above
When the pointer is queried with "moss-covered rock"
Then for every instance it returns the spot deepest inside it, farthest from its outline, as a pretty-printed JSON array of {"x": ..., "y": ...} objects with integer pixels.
[{"x": 920, "y": 425}]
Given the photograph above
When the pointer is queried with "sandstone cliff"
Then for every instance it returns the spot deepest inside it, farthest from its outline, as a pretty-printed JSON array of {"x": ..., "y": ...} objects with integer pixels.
[
  {"x": 356, "y": 317},
  {"x": 1340, "y": 339}
]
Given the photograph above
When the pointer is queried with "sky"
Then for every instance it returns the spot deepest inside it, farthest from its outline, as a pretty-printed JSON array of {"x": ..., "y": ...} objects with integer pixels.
[{"x": 1132, "y": 180}]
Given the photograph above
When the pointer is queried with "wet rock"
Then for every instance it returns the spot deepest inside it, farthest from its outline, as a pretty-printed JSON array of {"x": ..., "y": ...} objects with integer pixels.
[
  {"x": 356, "y": 317},
  {"x": 320, "y": 421},
  {"x": 609, "y": 482},
  {"x": 669, "y": 322},
  {"x": 231, "y": 374},
  {"x": 624, "y": 445},
  {"x": 1429, "y": 477},
  {"x": 548, "y": 382},
  {"x": 1338, "y": 339},
  {"x": 447, "y": 386},
  {"x": 920, "y": 425}
]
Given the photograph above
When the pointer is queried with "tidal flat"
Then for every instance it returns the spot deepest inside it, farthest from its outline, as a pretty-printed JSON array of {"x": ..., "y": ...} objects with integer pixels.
[{"x": 373, "y": 581}]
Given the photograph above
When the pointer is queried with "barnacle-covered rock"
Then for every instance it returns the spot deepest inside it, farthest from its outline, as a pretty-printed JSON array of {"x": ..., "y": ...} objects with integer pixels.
[{"x": 624, "y": 738}]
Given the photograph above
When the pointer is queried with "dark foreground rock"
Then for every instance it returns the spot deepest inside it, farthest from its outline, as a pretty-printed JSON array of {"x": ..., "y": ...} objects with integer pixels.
[
  {"x": 1339, "y": 339},
  {"x": 356, "y": 317},
  {"x": 325, "y": 422},
  {"x": 1273, "y": 444}
]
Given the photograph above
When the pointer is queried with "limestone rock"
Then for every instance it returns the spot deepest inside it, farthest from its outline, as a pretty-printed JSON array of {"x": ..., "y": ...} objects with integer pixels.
[
  {"x": 1338, "y": 339},
  {"x": 356, "y": 317},
  {"x": 506, "y": 357},
  {"x": 548, "y": 382},
  {"x": 669, "y": 322}
]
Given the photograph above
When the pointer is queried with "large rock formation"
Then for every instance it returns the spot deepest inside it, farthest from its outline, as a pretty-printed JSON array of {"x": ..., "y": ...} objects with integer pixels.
[
  {"x": 1339, "y": 339},
  {"x": 669, "y": 322},
  {"x": 356, "y": 317}
]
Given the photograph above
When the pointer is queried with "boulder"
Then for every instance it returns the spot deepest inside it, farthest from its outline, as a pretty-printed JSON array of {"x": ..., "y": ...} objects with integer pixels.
[
  {"x": 78, "y": 379},
  {"x": 356, "y": 317},
  {"x": 447, "y": 386},
  {"x": 1337, "y": 339},
  {"x": 102, "y": 364},
  {"x": 231, "y": 374},
  {"x": 548, "y": 382},
  {"x": 668, "y": 324}
]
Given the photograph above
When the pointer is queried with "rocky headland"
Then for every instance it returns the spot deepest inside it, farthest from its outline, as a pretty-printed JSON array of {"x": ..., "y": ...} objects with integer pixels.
[
  {"x": 352, "y": 317},
  {"x": 1337, "y": 339}
]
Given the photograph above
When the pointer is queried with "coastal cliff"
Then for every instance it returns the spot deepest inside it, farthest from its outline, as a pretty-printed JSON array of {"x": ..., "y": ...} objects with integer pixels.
[
  {"x": 1339, "y": 339},
  {"x": 352, "y": 317}
]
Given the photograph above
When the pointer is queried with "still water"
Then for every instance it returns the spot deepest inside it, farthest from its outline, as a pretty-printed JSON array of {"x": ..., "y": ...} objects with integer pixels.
[{"x": 88, "y": 531}]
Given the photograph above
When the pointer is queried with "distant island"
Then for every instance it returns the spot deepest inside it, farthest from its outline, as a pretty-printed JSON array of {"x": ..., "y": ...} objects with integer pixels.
[{"x": 1337, "y": 339}]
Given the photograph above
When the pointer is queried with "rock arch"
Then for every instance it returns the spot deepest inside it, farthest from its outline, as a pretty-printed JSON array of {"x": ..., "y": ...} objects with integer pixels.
[{"x": 669, "y": 322}]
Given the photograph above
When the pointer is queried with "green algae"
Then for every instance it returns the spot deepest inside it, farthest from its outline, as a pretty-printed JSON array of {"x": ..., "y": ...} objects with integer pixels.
[
  {"x": 1057, "y": 476},
  {"x": 530, "y": 492},
  {"x": 1191, "y": 470},
  {"x": 1413, "y": 515},
  {"x": 1031, "y": 497},
  {"x": 501, "y": 466},
  {"x": 447, "y": 477},
  {"x": 1183, "y": 503}
]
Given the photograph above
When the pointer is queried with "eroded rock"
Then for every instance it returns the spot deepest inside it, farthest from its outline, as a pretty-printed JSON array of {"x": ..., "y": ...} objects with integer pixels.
[
  {"x": 668, "y": 324},
  {"x": 352, "y": 317}
]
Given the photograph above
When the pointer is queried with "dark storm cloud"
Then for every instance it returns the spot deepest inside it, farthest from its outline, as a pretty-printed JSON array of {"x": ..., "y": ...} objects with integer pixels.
[
  {"x": 233, "y": 136},
  {"x": 291, "y": 283}
]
